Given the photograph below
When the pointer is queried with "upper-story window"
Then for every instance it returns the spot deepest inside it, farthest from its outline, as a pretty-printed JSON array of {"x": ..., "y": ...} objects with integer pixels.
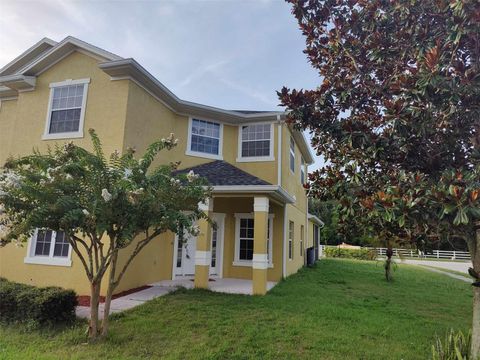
[
  {"x": 292, "y": 154},
  {"x": 205, "y": 139},
  {"x": 66, "y": 109},
  {"x": 256, "y": 142},
  {"x": 302, "y": 170}
]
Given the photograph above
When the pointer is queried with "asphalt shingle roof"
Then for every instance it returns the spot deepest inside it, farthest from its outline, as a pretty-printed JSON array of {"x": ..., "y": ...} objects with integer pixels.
[{"x": 222, "y": 173}]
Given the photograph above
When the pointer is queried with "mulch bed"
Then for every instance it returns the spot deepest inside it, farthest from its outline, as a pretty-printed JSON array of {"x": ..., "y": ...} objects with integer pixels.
[{"x": 84, "y": 300}]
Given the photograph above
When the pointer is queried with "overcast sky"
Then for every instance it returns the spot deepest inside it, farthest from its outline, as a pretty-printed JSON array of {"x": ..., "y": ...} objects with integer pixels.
[{"x": 232, "y": 54}]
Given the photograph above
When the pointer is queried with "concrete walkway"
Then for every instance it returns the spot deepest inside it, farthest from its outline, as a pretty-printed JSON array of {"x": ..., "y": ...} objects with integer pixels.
[
  {"x": 128, "y": 301},
  {"x": 225, "y": 285}
]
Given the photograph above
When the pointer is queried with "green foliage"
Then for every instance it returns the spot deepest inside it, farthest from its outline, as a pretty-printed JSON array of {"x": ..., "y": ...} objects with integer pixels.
[
  {"x": 359, "y": 254},
  {"x": 396, "y": 115},
  {"x": 456, "y": 346},
  {"x": 36, "y": 306}
]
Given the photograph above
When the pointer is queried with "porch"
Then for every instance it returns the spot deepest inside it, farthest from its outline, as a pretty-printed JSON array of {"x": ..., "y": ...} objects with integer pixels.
[{"x": 225, "y": 285}]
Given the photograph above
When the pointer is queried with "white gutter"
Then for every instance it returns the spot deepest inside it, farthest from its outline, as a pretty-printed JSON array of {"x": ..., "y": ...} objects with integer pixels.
[
  {"x": 274, "y": 190},
  {"x": 284, "y": 265},
  {"x": 279, "y": 152}
]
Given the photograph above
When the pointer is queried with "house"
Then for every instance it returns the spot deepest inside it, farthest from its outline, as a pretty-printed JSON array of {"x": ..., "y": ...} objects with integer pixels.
[{"x": 256, "y": 163}]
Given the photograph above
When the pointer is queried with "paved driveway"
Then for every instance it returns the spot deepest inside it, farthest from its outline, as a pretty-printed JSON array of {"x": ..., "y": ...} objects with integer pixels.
[{"x": 448, "y": 265}]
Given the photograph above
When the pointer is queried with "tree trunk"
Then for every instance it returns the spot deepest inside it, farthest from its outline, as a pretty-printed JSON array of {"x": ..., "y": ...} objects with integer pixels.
[
  {"x": 108, "y": 298},
  {"x": 388, "y": 264},
  {"x": 475, "y": 255},
  {"x": 94, "y": 301}
]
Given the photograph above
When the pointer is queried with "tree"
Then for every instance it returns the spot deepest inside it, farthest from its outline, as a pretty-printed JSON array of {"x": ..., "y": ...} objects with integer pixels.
[
  {"x": 104, "y": 206},
  {"x": 396, "y": 117}
]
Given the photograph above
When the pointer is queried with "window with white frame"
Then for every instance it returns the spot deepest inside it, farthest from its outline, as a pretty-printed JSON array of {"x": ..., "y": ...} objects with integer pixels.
[
  {"x": 245, "y": 237},
  {"x": 292, "y": 154},
  {"x": 256, "y": 141},
  {"x": 66, "y": 109},
  {"x": 205, "y": 138},
  {"x": 290, "y": 239},
  {"x": 302, "y": 170},
  {"x": 49, "y": 247}
]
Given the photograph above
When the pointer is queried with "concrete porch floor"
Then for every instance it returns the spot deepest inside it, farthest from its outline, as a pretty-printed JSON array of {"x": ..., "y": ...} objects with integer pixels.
[
  {"x": 222, "y": 285},
  {"x": 226, "y": 285}
]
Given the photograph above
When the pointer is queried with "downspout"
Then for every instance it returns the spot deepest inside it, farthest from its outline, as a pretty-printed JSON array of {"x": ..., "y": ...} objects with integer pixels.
[{"x": 279, "y": 181}]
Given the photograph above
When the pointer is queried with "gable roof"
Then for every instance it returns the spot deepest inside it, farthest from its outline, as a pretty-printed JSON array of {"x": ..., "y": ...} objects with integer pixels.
[
  {"x": 27, "y": 56},
  {"x": 221, "y": 173},
  {"x": 20, "y": 75}
]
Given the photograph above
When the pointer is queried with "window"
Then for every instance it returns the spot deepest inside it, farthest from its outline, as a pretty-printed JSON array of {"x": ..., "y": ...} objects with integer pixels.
[
  {"x": 256, "y": 142},
  {"x": 205, "y": 139},
  {"x": 49, "y": 248},
  {"x": 302, "y": 230},
  {"x": 214, "y": 247},
  {"x": 290, "y": 239},
  {"x": 244, "y": 239},
  {"x": 302, "y": 170},
  {"x": 66, "y": 109},
  {"x": 292, "y": 154}
]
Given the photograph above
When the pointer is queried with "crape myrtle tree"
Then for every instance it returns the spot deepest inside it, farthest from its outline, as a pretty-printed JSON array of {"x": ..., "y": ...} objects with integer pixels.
[
  {"x": 397, "y": 116},
  {"x": 105, "y": 207}
]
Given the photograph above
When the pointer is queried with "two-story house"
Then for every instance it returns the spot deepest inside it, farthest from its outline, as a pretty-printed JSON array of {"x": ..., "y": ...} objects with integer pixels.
[{"x": 255, "y": 162}]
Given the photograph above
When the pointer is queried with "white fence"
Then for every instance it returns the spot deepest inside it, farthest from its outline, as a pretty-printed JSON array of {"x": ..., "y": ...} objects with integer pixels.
[{"x": 413, "y": 253}]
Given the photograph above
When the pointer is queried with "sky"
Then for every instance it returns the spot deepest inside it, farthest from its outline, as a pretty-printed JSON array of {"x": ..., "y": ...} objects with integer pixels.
[{"x": 232, "y": 54}]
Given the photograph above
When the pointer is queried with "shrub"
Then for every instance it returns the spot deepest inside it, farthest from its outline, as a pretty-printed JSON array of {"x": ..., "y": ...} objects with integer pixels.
[
  {"x": 41, "y": 306},
  {"x": 455, "y": 347},
  {"x": 359, "y": 254}
]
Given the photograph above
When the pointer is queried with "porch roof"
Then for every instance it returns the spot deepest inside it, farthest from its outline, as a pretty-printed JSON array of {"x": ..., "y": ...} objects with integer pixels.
[
  {"x": 228, "y": 179},
  {"x": 221, "y": 173}
]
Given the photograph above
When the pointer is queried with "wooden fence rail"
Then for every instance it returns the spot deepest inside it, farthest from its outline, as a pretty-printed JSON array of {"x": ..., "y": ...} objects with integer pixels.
[{"x": 414, "y": 253}]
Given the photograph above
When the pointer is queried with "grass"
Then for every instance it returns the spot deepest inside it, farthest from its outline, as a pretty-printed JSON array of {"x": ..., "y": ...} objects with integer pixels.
[{"x": 340, "y": 309}]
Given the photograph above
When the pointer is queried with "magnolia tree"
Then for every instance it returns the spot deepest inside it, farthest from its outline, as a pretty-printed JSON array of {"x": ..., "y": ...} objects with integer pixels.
[
  {"x": 397, "y": 117},
  {"x": 105, "y": 207}
]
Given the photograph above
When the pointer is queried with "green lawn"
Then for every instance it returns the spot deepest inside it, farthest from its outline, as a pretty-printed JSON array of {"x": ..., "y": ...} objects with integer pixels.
[{"x": 338, "y": 310}]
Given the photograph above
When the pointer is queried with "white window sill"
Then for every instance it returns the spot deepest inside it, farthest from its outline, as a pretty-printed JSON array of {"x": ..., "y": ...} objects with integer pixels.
[
  {"x": 70, "y": 135},
  {"x": 204, "y": 155},
  {"x": 39, "y": 260},
  {"x": 248, "y": 264},
  {"x": 255, "y": 158}
]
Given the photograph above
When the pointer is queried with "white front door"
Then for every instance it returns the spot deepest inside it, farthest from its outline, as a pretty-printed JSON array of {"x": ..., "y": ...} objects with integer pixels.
[
  {"x": 216, "y": 246},
  {"x": 184, "y": 255}
]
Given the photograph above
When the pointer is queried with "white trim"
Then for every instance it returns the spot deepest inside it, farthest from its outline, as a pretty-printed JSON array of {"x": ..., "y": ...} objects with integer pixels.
[
  {"x": 279, "y": 152},
  {"x": 241, "y": 158},
  {"x": 31, "y": 258},
  {"x": 260, "y": 204},
  {"x": 203, "y": 258},
  {"x": 276, "y": 191},
  {"x": 219, "y": 218},
  {"x": 73, "y": 134},
  {"x": 290, "y": 153},
  {"x": 206, "y": 206},
  {"x": 190, "y": 152},
  {"x": 237, "y": 261},
  {"x": 260, "y": 261},
  {"x": 284, "y": 265},
  {"x": 68, "y": 82}
]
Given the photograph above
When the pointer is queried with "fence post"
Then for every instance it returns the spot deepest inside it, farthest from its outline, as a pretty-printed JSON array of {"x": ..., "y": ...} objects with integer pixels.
[
  {"x": 411, "y": 253},
  {"x": 438, "y": 254},
  {"x": 454, "y": 255}
]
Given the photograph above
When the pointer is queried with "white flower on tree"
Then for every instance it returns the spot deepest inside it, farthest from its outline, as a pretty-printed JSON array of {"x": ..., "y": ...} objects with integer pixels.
[{"x": 106, "y": 195}]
